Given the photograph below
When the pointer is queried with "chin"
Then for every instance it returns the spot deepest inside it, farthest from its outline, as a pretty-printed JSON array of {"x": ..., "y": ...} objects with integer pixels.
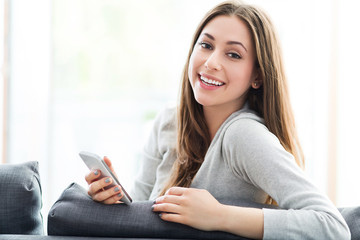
[{"x": 204, "y": 102}]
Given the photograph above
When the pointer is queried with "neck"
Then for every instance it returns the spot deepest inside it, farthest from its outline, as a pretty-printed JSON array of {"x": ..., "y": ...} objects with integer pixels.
[{"x": 216, "y": 116}]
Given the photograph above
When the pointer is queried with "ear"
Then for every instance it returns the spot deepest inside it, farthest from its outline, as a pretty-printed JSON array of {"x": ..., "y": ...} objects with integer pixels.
[{"x": 257, "y": 80}]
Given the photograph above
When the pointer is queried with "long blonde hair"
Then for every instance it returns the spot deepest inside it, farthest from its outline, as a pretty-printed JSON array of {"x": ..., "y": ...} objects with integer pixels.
[{"x": 270, "y": 101}]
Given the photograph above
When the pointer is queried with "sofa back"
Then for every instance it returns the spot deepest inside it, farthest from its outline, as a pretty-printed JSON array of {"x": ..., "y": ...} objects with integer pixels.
[{"x": 20, "y": 199}]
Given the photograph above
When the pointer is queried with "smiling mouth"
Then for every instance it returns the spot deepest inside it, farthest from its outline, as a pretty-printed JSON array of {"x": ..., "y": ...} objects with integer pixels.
[{"x": 210, "y": 82}]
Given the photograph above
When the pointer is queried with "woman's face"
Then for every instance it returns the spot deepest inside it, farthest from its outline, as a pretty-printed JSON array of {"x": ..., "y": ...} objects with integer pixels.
[{"x": 222, "y": 64}]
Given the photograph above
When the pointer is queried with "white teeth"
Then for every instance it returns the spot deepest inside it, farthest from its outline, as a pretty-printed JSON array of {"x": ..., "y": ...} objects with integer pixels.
[{"x": 210, "y": 81}]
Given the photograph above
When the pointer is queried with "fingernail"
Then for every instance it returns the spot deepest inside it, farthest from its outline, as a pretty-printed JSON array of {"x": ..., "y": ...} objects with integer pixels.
[
  {"x": 154, "y": 202},
  {"x": 107, "y": 180},
  {"x": 96, "y": 172},
  {"x": 120, "y": 195},
  {"x": 160, "y": 214},
  {"x": 117, "y": 189},
  {"x": 152, "y": 207}
]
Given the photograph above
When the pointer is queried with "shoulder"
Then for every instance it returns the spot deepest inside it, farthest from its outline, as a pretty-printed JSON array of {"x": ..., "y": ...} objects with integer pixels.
[
  {"x": 164, "y": 132},
  {"x": 254, "y": 153},
  {"x": 248, "y": 143},
  {"x": 166, "y": 119},
  {"x": 245, "y": 128}
]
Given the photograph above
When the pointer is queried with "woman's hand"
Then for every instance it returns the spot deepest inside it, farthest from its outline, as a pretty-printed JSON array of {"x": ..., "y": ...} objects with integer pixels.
[
  {"x": 194, "y": 207},
  {"x": 199, "y": 209},
  {"x": 97, "y": 186}
]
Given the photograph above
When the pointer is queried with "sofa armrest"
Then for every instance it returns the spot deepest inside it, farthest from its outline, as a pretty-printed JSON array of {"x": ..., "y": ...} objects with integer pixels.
[{"x": 76, "y": 214}]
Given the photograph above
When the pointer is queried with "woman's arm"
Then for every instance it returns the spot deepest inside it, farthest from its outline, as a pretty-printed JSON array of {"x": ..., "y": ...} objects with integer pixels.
[
  {"x": 199, "y": 209},
  {"x": 256, "y": 156},
  {"x": 157, "y": 156},
  {"x": 247, "y": 222}
]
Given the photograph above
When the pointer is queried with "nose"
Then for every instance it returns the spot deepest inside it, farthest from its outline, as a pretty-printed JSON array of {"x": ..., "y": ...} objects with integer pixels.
[{"x": 213, "y": 61}]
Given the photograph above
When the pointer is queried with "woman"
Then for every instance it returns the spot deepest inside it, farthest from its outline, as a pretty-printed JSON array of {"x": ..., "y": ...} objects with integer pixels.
[{"x": 233, "y": 137}]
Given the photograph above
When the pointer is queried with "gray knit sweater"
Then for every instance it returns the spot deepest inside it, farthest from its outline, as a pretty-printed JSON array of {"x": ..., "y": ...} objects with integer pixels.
[{"x": 246, "y": 161}]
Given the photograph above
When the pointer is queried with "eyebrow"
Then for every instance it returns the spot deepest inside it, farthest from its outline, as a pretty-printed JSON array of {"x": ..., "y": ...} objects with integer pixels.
[{"x": 229, "y": 42}]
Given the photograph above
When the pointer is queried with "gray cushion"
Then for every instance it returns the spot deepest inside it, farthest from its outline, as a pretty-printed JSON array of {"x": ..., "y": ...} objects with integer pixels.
[
  {"x": 43, "y": 237},
  {"x": 20, "y": 199},
  {"x": 352, "y": 218},
  {"x": 76, "y": 214}
]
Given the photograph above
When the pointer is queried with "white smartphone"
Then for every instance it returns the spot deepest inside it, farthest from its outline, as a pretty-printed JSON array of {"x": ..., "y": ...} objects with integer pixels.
[{"x": 94, "y": 162}]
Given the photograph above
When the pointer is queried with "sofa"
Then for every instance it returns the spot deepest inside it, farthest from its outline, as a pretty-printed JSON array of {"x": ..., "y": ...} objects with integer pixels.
[{"x": 75, "y": 216}]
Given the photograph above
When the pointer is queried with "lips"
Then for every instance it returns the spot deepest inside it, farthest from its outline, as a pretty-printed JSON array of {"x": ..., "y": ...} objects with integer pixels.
[{"x": 210, "y": 82}]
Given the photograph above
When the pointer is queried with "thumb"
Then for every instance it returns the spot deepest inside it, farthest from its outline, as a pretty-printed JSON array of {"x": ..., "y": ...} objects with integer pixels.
[{"x": 108, "y": 162}]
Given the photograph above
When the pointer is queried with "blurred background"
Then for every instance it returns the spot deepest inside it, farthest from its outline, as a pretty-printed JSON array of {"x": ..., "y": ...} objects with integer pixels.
[{"x": 92, "y": 75}]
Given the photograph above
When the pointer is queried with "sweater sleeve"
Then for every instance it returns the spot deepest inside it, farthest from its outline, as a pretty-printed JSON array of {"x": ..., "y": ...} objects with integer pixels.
[
  {"x": 256, "y": 155},
  {"x": 159, "y": 146},
  {"x": 150, "y": 159}
]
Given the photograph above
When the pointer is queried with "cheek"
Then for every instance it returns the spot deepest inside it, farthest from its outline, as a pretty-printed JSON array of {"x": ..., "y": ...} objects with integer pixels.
[
  {"x": 245, "y": 73},
  {"x": 191, "y": 68}
]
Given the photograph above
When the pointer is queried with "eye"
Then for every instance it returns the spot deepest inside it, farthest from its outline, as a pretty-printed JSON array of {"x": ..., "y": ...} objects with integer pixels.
[
  {"x": 205, "y": 45},
  {"x": 234, "y": 55}
]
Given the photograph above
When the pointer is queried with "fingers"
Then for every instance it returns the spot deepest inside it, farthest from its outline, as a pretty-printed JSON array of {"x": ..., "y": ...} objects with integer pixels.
[
  {"x": 98, "y": 192},
  {"x": 114, "y": 199},
  {"x": 193, "y": 207},
  {"x": 170, "y": 217},
  {"x": 109, "y": 196},
  {"x": 169, "y": 199},
  {"x": 99, "y": 185},
  {"x": 167, "y": 208},
  {"x": 176, "y": 191},
  {"x": 92, "y": 176},
  {"x": 169, "y": 204},
  {"x": 100, "y": 188}
]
